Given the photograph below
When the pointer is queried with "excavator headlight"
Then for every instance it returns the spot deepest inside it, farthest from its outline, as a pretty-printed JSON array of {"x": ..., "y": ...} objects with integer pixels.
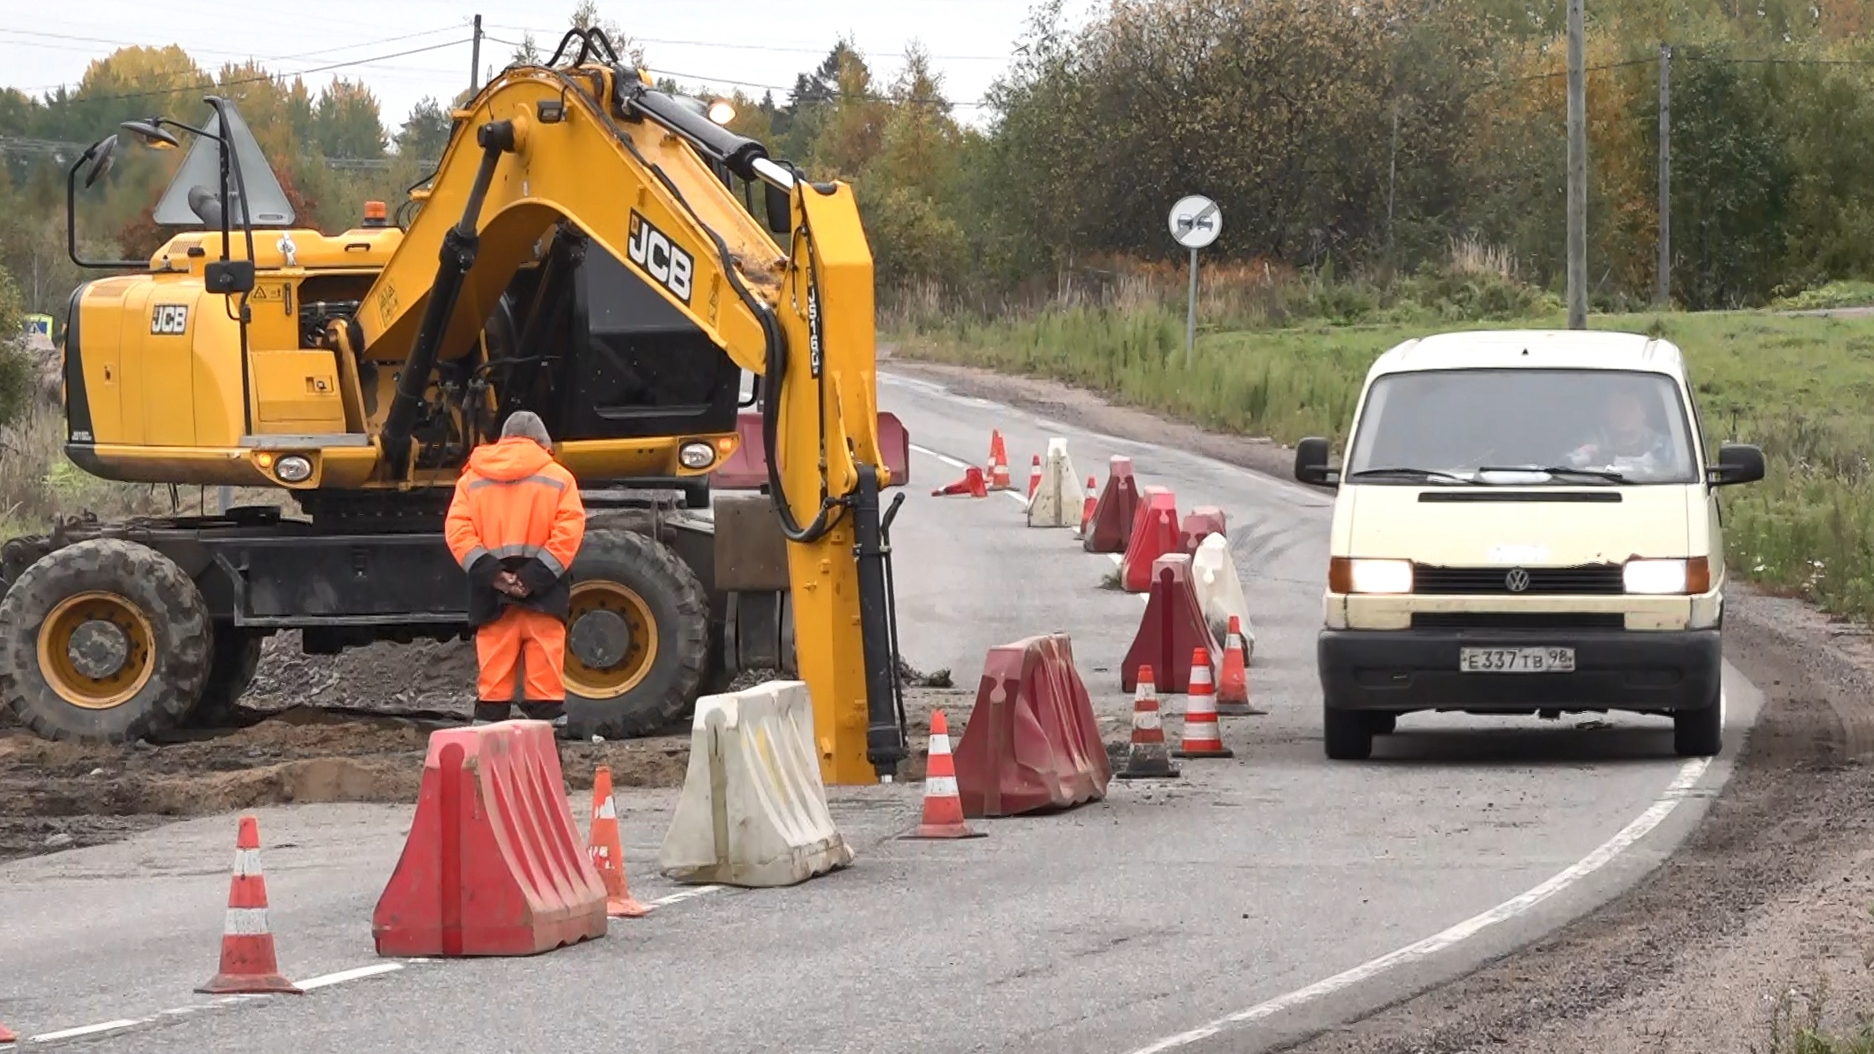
[
  {"x": 293, "y": 469},
  {"x": 696, "y": 455}
]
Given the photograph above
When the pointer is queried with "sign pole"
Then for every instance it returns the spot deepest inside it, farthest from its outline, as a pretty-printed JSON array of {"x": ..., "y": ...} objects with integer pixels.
[
  {"x": 1190, "y": 318},
  {"x": 1195, "y": 222}
]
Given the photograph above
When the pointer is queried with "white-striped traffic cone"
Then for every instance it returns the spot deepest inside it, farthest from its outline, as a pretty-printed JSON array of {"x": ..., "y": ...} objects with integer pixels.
[
  {"x": 943, "y": 806},
  {"x": 1201, "y": 738},
  {"x": 247, "y": 958},
  {"x": 1146, "y": 757}
]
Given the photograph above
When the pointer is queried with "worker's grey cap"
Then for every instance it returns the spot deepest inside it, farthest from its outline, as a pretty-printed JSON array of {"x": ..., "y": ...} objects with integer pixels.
[{"x": 527, "y": 423}]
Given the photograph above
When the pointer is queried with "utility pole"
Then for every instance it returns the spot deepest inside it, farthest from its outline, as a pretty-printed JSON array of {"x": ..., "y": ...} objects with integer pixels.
[
  {"x": 1662, "y": 295},
  {"x": 1577, "y": 171},
  {"x": 475, "y": 58}
]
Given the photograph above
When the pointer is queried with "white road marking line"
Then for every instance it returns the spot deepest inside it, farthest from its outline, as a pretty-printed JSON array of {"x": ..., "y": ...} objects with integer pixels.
[
  {"x": 85, "y": 1030},
  {"x": 945, "y": 458},
  {"x": 354, "y": 974},
  {"x": 1641, "y": 826},
  {"x": 675, "y": 898},
  {"x": 311, "y": 984}
]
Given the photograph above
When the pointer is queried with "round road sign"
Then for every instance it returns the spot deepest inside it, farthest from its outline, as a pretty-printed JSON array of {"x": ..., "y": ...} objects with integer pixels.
[{"x": 1196, "y": 221}]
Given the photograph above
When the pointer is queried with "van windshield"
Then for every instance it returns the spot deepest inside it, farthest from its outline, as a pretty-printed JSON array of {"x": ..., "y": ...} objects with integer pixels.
[{"x": 1489, "y": 426}]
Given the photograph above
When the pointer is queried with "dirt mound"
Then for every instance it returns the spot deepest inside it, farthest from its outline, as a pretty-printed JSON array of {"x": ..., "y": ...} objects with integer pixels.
[
  {"x": 62, "y": 795},
  {"x": 422, "y": 675}
]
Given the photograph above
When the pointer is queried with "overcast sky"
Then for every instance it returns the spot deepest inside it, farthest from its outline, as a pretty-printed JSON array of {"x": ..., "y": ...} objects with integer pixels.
[{"x": 759, "y": 44}]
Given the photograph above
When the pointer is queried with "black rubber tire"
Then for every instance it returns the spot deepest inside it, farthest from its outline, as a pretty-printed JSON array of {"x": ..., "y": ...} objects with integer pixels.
[
  {"x": 1700, "y": 733},
  {"x": 1348, "y": 735},
  {"x": 230, "y": 671},
  {"x": 165, "y": 596},
  {"x": 680, "y": 608}
]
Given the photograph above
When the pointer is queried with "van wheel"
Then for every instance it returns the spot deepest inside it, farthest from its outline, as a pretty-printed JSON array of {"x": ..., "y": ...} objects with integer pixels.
[
  {"x": 1700, "y": 733},
  {"x": 1348, "y": 735}
]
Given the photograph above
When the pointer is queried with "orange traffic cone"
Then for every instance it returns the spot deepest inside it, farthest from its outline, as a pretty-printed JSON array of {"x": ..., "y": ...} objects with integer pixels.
[
  {"x": 998, "y": 462},
  {"x": 7, "y": 1035},
  {"x": 1233, "y": 685},
  {"x": 1146, "y": 757},
  {"x": 1034, "y": 477},
  {"x": 248, "y": 964},
  {"x": 971, "y": 484},
  {"x": 1086, "y": 509},
  {"x": 608, "y": 853},
  {"x": 943, "y": 808},
  {"x": 1201, "y": 739}
]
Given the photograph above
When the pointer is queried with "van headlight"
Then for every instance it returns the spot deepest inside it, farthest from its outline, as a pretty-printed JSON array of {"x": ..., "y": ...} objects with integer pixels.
[
  {"x": 1666, "y": 577},
  {"x": 696, "y": 455},
  {"x": 1351, "y": 575}
]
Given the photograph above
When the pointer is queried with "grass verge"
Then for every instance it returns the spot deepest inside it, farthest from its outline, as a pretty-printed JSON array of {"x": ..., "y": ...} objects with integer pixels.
[{"x": 1799, "y": 387}]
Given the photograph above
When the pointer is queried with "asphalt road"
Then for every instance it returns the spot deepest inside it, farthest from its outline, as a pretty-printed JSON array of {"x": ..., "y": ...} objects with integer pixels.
[{"x": 1255, "y": 899}]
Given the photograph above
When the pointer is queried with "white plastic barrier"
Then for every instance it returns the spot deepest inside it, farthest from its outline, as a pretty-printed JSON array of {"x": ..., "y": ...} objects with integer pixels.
[
  {"x": 1220, "y": 592},
  {"x": 753, "y": 811},
  {"x": 1061, "y": 498}
]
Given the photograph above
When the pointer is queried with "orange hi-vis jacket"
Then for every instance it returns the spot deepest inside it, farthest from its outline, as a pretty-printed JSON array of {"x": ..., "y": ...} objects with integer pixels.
[{"x": 515, "y": 509}]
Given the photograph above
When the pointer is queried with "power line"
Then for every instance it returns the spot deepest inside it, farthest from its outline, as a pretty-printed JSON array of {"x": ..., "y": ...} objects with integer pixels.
[
  {"x": 703, "y": 79},
  {"x": 155, "y": 92},
  {"x": 778, "y": 48},
  {"x": 218, "y": 51}
]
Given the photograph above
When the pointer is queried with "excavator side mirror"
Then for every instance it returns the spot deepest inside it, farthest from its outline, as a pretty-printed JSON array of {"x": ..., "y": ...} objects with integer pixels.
[
  {"x": 780, "y": 209},
  {"x": 229, "y": 276},
  {"x": 101, "y": 161}
]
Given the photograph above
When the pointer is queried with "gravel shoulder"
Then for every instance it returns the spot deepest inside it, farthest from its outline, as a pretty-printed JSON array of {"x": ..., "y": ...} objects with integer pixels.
[{"x": 1760, "y": 922}]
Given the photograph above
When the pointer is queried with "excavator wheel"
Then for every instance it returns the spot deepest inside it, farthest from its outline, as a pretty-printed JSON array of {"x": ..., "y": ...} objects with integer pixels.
[
  {"x": 105, "y": 641},
  {"x": 236, "y": 657},
  {"x": 637, "y": 638}
]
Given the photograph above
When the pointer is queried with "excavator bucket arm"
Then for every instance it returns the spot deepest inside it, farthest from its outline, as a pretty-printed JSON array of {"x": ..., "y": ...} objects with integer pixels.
[{"x": 639, "y": 174}]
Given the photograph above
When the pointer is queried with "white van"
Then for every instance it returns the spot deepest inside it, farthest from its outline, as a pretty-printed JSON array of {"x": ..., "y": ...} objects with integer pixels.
[{"x": 1524, "y": 523}]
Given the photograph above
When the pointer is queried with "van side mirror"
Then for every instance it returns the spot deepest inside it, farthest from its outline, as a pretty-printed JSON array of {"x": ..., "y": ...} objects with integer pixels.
[
  {"x": 1311, "y": 463},
  {"x": 1737, "y": 463}
]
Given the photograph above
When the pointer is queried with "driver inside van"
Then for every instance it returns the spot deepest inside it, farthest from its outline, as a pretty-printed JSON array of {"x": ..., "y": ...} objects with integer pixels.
[{"x": 1625, "y": 435}]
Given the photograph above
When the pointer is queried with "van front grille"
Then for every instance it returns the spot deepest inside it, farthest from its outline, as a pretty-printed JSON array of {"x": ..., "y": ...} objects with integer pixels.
[
  {"x": 1584, "y": 580},
  {"x": 1519, "y": 620}
]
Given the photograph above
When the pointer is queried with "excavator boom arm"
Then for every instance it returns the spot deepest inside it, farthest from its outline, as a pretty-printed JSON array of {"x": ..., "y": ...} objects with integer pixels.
[{"x": 634, "y": 170}]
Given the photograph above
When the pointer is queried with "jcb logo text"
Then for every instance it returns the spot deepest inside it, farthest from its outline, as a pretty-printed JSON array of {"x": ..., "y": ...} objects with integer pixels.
[
  {"x": 656, "y": 255},
  {"x": 169, "y": 319}
]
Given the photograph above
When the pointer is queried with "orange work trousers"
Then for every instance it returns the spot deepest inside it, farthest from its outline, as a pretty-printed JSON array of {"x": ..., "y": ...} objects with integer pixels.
[{"x": 522, "y": 636}]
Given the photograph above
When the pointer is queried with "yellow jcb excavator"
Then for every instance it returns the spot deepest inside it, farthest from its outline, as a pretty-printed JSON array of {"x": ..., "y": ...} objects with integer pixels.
[{"x": 580, "y": 251}]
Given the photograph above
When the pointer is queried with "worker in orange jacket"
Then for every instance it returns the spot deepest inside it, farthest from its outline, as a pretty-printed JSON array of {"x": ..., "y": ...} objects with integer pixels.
[{"x": 515, "y": 525}]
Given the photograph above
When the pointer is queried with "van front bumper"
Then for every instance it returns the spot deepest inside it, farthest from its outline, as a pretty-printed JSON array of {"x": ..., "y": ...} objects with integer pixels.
[{"x": 1651, "y": 671}]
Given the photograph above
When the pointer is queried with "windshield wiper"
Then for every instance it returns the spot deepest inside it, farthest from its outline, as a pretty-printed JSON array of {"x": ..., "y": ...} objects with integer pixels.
[
  {"x": 1410, "y": 473},
  {"x": 1559, "y": 470}
]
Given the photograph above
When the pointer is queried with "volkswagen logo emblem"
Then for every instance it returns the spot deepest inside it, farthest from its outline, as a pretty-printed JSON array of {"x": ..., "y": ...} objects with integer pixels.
[{"x": 1516, "y": 581}]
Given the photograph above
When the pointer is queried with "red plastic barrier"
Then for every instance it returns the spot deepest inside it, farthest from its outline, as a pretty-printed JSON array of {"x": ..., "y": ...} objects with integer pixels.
[
  {"x": 1031, "y": 742},
  {"x": 1154, "y": 535},
  {"x": 1117, "y": 508},
  {"x": 493, "y": 864},
  {"x": 1202, "y": 522},
  {"x": 747, "y": 467},
  {"x": 1173, "y": 624}
]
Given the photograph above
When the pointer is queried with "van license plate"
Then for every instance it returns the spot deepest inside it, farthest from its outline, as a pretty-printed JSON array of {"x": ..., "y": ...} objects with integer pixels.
[{"x": 1516, "y": 660}]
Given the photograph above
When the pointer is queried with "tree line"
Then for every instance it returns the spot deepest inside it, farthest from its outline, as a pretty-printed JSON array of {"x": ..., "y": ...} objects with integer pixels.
[{"x": 1339, "y": 138}]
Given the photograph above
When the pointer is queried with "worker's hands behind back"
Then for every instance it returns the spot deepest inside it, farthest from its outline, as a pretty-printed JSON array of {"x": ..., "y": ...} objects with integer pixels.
[{"x": 508, "y": 582}]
